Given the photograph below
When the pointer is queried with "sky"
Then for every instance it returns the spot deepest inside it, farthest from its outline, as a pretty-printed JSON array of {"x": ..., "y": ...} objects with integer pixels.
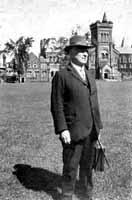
[{"x": 53, "y": 18}]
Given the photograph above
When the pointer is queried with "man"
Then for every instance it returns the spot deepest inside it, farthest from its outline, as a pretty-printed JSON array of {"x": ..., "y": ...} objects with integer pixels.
[{"x": 75, "y": 111}]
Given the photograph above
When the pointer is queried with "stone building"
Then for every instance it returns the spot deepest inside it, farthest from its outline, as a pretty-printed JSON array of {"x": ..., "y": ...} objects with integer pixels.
[
  {"x": 110, "y": 62},
  {"x": 105, "y": 59},
  {"x": 51, "y": 55},
  {"x": 2, "y": 65},
  {"x": 106, "y": 56},
  {"x": 33, "y": 71},
  {"x": 125, "y": 60}
]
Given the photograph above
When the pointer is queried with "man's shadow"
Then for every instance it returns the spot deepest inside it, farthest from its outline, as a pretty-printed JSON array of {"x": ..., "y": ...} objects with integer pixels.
[{"x": 38, "y": 179}]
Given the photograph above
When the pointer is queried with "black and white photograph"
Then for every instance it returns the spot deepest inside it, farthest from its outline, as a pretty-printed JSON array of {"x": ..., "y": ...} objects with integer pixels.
[{"x": 66, "y": 100}]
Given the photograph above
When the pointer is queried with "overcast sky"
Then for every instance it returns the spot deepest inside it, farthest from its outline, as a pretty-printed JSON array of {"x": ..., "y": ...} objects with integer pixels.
[{"x": 54, "y": 18}]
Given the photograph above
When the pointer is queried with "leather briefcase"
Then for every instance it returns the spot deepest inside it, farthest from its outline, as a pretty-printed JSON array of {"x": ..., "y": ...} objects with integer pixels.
[{"x": 99, "y": 158}]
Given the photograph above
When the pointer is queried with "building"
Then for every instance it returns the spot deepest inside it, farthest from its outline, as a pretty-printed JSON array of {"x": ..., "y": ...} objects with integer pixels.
[
  {"x": 2, "y": 64},
  {"x": 125, "y": 60},
  {"x": 110, "y": 62},
  {"x": 106, "y": 56},
  {"x": 33, "y": 69},
  {"x": 106, "y": 61},
  {"x": 51, "y": 56},
  {"x": 49, "y": 65}
]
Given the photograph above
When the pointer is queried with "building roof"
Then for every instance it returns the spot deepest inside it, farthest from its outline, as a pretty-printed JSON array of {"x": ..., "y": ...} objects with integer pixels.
[
  {"x": 115, "y": 50},
  {"x": 104, "y": 18},
  {"x": 124, "y": 50},
  {"x": 32, "y": 57}
]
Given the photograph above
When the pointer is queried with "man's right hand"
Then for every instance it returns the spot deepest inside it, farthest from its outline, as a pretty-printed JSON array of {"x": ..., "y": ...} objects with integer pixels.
[{"x": 65, "y": 136}]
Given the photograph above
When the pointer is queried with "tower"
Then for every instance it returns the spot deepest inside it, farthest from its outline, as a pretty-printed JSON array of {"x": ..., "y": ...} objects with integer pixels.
[{"x": 101, "y": 38}]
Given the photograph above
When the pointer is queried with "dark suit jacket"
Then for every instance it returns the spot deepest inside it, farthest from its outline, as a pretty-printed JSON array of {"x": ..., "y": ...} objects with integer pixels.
[{"x": 74, "y": 103}]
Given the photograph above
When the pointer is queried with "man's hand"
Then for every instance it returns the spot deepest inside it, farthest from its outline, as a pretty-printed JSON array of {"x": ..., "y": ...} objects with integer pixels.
[{"x": 65, "y": 135}]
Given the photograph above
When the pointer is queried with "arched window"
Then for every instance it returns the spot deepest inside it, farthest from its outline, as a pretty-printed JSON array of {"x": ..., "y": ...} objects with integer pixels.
[
  {"x": 101, "y": 37},
  {"x": 104, "y": 54},
  {"x": 105, "y": 38}
]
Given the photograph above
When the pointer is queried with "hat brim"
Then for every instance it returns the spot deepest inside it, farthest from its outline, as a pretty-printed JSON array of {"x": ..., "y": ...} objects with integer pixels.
[{"x": 67, "y": 48}]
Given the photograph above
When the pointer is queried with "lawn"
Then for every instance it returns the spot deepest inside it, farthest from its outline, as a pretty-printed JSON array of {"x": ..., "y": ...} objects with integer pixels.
[{"x": 27, "y": 138}]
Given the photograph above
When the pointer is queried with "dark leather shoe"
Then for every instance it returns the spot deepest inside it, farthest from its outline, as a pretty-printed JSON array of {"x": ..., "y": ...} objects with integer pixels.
[
  {"x": 89, "y": 192},
  {"x": 83, "y": 197},
  {"x": 83, "y": 192},
  {"x": 66, "y": 197}
]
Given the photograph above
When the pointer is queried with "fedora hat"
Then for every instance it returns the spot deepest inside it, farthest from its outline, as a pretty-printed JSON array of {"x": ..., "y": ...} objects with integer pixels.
[{"x": 77, "y": 40}]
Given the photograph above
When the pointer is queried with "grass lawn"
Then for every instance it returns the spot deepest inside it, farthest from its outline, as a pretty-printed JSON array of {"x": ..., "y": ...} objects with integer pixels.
[{"x": 27, "y": 138}]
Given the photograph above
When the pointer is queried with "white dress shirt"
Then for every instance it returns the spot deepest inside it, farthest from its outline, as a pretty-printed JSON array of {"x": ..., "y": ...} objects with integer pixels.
[{"x": 80, "y": 70}]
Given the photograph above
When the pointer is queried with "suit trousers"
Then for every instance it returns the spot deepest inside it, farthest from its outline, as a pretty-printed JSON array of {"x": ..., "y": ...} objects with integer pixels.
[{"x": 77, "y": 154}]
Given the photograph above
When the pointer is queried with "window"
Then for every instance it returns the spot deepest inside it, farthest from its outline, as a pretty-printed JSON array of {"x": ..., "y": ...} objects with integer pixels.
[
  {"x": 50, "y": 58},
  {"x": 124, "y": 66},
  {"x": 121, "y": 59},
  {"x": 101, "y": 37},
  {"x": 104, "y": 37},
  {"x": 130, "y": 59},
  {"x": 29, "y": 65},
  {"x": 104, "y": 54},
  {"x": 37, "y": 72},
  {"x": 121, "y": 66},
  {"x": 34, "y": 66},
  {"x": 130, "y": 66},
  {"x": 55, "y": 59},
  {"x": 42, "y": 66},
  {"x": 107, "y": 36},
  {"x": 124, "y": 59}
]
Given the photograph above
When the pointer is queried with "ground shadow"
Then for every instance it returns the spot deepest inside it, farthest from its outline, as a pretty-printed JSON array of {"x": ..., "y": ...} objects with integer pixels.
[{"x": 38, "y": 179}]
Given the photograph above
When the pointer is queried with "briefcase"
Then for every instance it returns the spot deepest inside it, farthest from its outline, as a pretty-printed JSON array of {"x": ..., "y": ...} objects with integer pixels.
[{"x": 99, "y": 158}]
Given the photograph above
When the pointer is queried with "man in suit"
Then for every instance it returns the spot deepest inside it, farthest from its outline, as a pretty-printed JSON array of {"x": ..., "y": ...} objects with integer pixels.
[{"x": 76, "y": 116}]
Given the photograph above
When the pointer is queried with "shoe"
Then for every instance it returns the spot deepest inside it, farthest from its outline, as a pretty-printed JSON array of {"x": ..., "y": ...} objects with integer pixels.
[
  {"x": 66, "y": 197},
  {"x": 84, "y": 192},
  {"x": 89, "y": 192},
  {"x": 83, "y": 197}
]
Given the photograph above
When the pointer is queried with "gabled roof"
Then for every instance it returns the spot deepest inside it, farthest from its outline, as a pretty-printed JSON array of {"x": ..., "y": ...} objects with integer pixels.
[
  {"x": 122, "y": 42},
  {"x": 116, "y": 51},
  {"x": 33, "y": 57},
  {"x": 124, "y": 50}
]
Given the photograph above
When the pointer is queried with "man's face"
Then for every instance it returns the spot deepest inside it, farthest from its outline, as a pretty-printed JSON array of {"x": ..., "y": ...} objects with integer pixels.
[{"x": 79, "y": 55}]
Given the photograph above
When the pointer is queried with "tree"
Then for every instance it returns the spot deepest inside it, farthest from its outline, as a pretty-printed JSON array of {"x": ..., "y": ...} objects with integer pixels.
[
  {"x": 20, "y": 52},
  {"x": 87, "y": 35},
  {"x": 76, "y": 30},
  {"x": 62, "y": 41},
  {"x": 43, "y": 47}
]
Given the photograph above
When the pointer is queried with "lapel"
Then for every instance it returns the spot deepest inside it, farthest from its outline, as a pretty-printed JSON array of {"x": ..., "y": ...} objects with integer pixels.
[
  {"x": 75, "y": 74},
  {"x": 90, "y": 81}
]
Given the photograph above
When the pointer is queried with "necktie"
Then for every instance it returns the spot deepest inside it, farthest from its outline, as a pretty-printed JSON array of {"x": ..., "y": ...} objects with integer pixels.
[{"x": 82, "y": 73}]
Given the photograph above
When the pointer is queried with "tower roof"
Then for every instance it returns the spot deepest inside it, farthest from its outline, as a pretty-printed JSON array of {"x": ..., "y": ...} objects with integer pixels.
[
  {"x": 104, "y": 20},
  {"x": 122, "y": 43}
]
